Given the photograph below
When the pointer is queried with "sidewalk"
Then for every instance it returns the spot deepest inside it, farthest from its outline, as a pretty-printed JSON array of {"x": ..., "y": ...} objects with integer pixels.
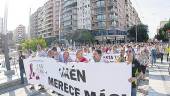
[
  {"x": 143, "y": 86},
  {"x": 159, "y": 80},
  {"x": 4, "y": 78},
  {"x": 23, "y": 90}
]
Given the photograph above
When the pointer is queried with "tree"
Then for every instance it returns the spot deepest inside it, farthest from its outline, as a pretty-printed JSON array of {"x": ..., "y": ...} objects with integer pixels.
[
  {"x": 142, "y": 33},
  {"x": 162, "y": 34},
  {"x": 51, "y": 40},
  {"x": 81, "y": 35},
  {"x": 32, "y": 44},
  {"x": 166, "y": 27}
]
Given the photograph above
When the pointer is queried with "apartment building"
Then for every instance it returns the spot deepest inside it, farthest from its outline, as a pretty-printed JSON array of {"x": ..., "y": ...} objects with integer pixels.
[
  {"x": 108, "y": 19},
  {"x": 34, "y": 24},
  {"x": 105, "y": 19},
  {"x": 45, "y": 21},
  {"x": 84, "y": 14},
  {"x": 132, "y": 17},
  {"x": 112, "y": 18},
  {"x": 19, "y": 33},
  {"x": 68, "y": 17}
]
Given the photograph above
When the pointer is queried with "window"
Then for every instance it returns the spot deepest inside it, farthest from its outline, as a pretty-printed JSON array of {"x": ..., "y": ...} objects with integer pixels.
[
  {"x": 100, "y": 10},
  {"x": 101, "y": 24},
  {"x": 101, "y": 3},
  {"x": 101, "y": 17}
]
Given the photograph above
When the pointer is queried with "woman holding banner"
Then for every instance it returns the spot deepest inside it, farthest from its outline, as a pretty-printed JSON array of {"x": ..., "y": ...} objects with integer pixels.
[
  {"x": 80, "y": 58},
  {"x": 136, "y": 68}
]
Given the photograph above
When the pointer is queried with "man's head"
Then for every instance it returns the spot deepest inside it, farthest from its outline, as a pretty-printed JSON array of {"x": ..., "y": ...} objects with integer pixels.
[
  {"x": 54, "y": 49},
  {"x": 122, "y": 52},
  {"x": 85, "y": 50},
  {"x": 97, "y": 55},
  {"x": 66, "y": 55},
  {"x": 51, "y": 54}
]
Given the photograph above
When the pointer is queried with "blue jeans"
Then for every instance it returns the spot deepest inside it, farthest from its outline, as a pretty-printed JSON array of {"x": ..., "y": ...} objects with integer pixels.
[
  {"x": 133, "y": 92},
  {"x": 22, "y": 72},
  {"x": 153, "y": 59}
]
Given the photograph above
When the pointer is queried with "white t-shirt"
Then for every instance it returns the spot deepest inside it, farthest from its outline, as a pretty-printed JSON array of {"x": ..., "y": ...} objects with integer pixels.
[
  {"x": 41, "y": 53},
  {"x": 58, "y": 49}
]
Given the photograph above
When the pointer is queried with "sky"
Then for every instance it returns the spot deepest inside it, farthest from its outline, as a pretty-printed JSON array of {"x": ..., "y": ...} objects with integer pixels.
[
  {"x": 18, "y": 11},
  {"x": 151, "y": 12}
]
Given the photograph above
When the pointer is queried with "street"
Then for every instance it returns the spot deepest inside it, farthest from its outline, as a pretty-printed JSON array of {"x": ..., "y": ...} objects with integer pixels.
[{"x": 159, "y": 80}]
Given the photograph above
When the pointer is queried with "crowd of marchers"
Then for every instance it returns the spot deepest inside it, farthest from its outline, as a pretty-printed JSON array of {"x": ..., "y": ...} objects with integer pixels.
[{"x": 140, "y": 55}]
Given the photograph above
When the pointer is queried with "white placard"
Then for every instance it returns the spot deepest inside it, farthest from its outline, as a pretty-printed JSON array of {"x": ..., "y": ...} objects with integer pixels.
[{"x": 80, "y": 79}]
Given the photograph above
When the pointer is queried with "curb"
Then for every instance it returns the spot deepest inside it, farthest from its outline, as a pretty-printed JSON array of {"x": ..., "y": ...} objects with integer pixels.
[{"x": 4, "y": 87}]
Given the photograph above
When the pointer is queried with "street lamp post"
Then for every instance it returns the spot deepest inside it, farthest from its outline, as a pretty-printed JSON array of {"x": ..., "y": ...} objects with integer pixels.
[
  {"x": 9, "y": 72},
  {"x": 6, "y": 51},
  {"x": 59, "y": 34},
  {"x": 136, "y": 28}
]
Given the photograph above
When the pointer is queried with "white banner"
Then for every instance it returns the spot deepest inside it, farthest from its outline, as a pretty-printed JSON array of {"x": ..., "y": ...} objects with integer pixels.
[
  {"x": 110, "y": 57},
  {"x": 80, "y": 79}
]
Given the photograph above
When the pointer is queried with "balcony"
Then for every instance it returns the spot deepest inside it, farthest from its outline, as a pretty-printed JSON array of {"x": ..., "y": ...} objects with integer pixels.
[
  {"x": 49, "y": 17},
  {"x": 69, "y": 2},
  {"x": 113, "y": 18},
  {"x": 49, "y": 14},
  {"x": 95, "y": 20},
  {"x": 112, "y": 3}
]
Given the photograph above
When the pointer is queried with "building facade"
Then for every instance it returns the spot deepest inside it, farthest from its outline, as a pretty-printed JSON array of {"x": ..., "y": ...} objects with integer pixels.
[
  {"x": 107, "y": 19},
  {"x": 45, "y": 21},
  {"x": 19, "y": 34},
  {"x": 112, "y": 18},
  {"x": 84, "y": 14},
  {"x": 34, "y": 24},
  {"x": 132, "y": 17},
  {"x": 68, "y": 17}
]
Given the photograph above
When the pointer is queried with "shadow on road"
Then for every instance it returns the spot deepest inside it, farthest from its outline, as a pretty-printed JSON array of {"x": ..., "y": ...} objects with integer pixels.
[{"x": 157, "y": 77}]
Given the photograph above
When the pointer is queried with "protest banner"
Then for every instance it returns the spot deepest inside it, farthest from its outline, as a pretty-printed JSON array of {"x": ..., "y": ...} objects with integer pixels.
[
  {"x": 80, "y": 79},
  {"x": 110, "y": 57}
]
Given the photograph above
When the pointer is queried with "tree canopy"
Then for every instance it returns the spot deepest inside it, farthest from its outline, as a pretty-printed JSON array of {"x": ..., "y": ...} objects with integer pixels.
[
  {"x": 142, "y": 33},
  {"x": 162, "y": 33},
  {"x": 32, "y": 44},
  {"x": 81, "y": 35}
]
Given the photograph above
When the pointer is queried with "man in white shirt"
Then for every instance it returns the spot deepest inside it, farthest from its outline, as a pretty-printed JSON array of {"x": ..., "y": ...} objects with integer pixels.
[
  {"x": 41, "y": 52},
  {"x": 97, "y": 57},
  {"x": 65, "y": 57}
]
